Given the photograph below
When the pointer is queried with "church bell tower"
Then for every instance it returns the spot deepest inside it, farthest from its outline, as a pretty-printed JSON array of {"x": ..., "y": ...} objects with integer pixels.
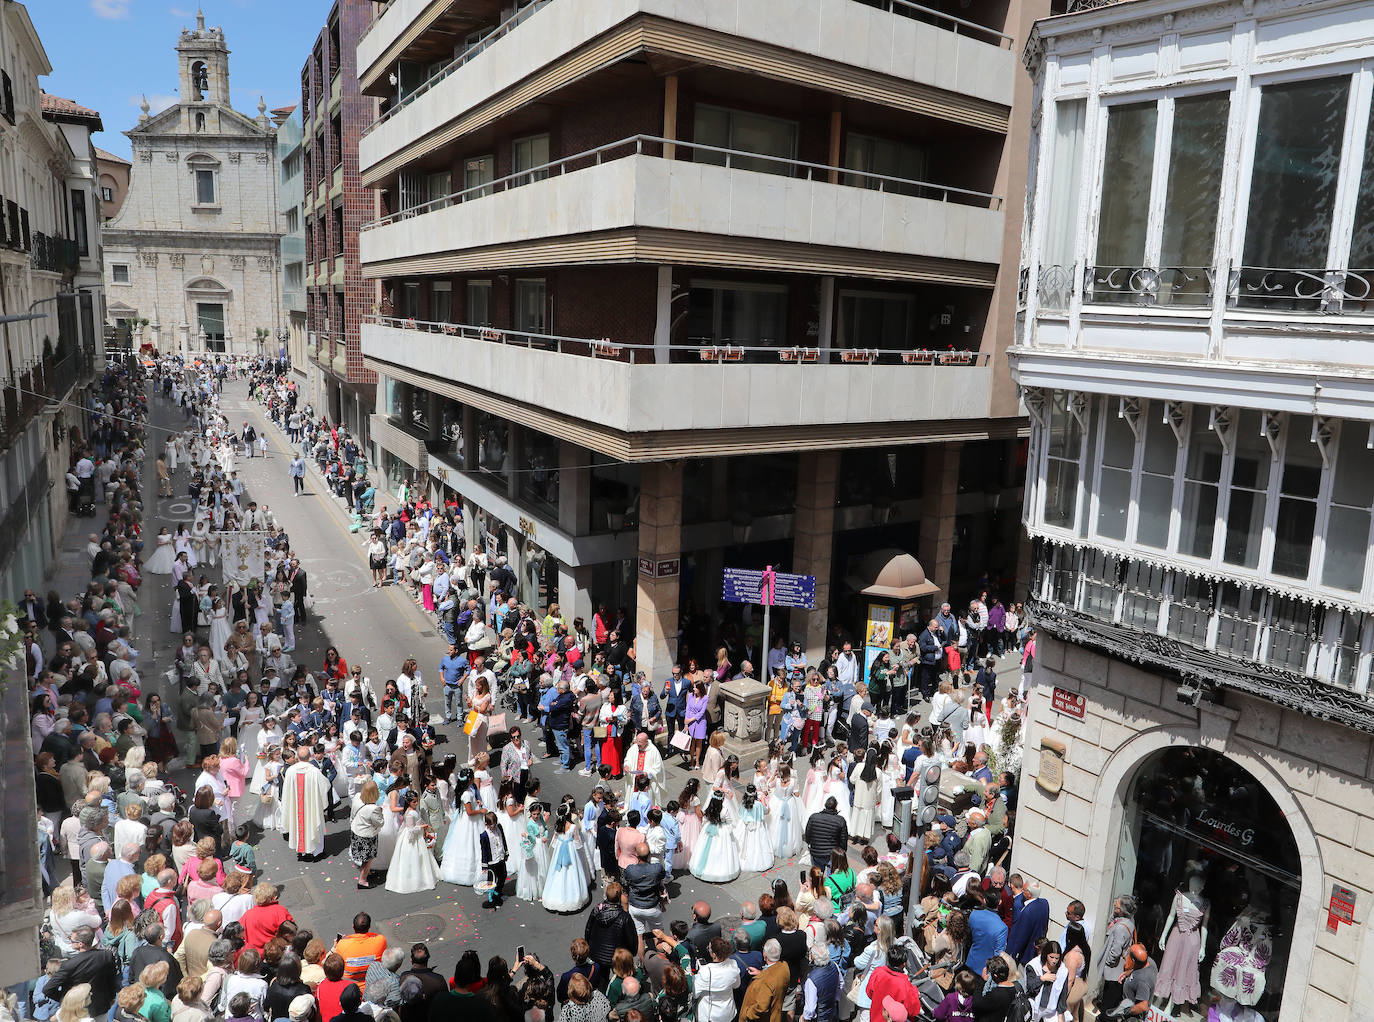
[{"x": 204, "y": 60}]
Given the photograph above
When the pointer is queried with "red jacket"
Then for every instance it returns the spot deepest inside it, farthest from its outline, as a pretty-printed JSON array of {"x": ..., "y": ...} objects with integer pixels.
[
  {"x": 887, "y": 982},
  {"x": 260, "y": 924}
]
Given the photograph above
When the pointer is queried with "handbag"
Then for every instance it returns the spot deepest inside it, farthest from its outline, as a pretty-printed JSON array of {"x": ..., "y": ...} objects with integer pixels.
[
  {"x": 496, "y": 723},
  {"x": 470, "y": 722},
  {"x": 681, "y": 740},
  {"x": 599, "y": 731}
]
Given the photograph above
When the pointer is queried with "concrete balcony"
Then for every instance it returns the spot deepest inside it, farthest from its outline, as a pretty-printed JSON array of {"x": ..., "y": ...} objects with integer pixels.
[
  {"x": 957, "y": 70},
  {"x": 655, "y": 209},
  {"x": 611, "y": 394}
]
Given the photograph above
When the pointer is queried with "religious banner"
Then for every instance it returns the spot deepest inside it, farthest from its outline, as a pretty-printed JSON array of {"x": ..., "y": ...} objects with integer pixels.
[{"x": 241, "y": 555}]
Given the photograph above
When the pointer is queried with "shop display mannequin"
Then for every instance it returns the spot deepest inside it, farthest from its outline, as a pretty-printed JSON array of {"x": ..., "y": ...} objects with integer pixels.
[
  {"x": 1227, "y": 1010},
  {"x": 1184, "y": 946},
  {"x": 1238, "y": 971}
]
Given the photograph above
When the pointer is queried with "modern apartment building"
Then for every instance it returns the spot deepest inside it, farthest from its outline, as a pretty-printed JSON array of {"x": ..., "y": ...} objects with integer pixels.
[
  {"x": 50, "y": 246},
  {"x": 1195, "y": 354},
  {"x": 291, "y": 193},
  {"x": 334, "y": 112},
  {"x": 670, "y": 286}
]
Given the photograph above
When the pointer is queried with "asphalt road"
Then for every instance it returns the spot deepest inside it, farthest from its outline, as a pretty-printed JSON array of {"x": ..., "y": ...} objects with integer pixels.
[{"x": 379, "y": 629}]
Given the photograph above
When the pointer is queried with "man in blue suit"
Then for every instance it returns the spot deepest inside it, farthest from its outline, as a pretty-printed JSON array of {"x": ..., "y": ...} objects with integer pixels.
[
  {"x": 1031, "y": 923},
  {"x": 674, "y": 696}
]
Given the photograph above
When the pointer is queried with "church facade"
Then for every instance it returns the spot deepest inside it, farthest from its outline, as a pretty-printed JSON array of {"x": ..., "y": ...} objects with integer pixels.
[{"x": 193, "y": 260}]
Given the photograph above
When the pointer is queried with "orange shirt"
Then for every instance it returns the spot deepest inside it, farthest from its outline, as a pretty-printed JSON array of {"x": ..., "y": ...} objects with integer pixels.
[{"x": 359, "y": 950}]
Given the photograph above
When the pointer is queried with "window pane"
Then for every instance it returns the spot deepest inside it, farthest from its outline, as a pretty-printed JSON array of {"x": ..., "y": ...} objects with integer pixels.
[
  {"x": 1156, "y": 501},
  {"x": 1061, "y": 489},
  {"x": 1196, "y": 157},
  {"x": 529, "y": 306},
  {"x": 1202, "y": 470},
  {"x": 1249, "y": 487},
  {"x": 479, "y": 303},
  {"x": 1127, "y": 167},
  {"x": 1061, "y": 211},
  {"x": 205, "y": 187},
  {"x": 1362, "y": 240},
  {"x": 1293, "y": 186},
  {"x": 1347, "y": 546},
  {"x": 1297, "y": 518},
  {"x": 1118, "y": 445},
  {"x": 1113, "y": 503},
  {"x": 1353, "y": 481},
  {"x": 1161, "y": 445},
  {"x": 1065, "y": 436}
]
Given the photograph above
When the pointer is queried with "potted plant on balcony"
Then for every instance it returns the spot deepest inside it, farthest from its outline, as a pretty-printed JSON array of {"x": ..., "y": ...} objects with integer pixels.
[
  {"x": 958, "y": 358},
  {"x": 859, "y": 355},
  {"x": 799, "y": 354},
  {"x": 605, "y": 349},
  {"x": 921, "y": 357}
]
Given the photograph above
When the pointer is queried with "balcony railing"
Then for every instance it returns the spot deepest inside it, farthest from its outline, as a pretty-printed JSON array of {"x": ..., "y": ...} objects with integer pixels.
[
  {"x": 6, "y": 97},
  {"x": 499, "y": 32},
  {"x": 902, "y": 8},
  {"x": 721, "y": 350},
  {"x": 1348, "y": 292},
  {"x": 636, "y": 145},
  {"x": 56, "y": 255}
]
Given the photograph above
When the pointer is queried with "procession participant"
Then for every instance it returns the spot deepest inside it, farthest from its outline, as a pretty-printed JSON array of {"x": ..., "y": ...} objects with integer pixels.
[
  {"x": 304, "y": 801},
  {"x": 644, "y": 759}
]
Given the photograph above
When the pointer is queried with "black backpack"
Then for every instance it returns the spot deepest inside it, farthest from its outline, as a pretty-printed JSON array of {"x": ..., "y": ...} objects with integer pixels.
[{"x": 1020, "y": 1009}]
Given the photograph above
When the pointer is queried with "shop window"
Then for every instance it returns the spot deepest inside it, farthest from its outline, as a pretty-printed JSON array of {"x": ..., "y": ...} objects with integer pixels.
[
  {"x": 539, "y": 456},
  {"x": 1205, "y": 845},
  {"x": 493, "y": 444}
]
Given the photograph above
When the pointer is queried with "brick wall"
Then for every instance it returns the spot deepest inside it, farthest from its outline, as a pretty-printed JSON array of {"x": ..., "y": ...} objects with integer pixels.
[{"x": 1320, "y": 773}]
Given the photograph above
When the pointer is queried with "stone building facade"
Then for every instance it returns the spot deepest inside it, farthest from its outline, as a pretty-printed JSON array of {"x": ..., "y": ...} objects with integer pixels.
[
  {"x": 1194, "y": 353},
  {"x": 196, "y": 248}
]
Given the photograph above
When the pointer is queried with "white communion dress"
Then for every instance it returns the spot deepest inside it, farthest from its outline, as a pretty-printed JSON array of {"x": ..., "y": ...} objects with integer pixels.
[
  {"x": 163, "y": 557},
  {"x": 716, "y": 858},
  {"x": 463, "y": 845},
  {"x": 755, "y": 848},
  {"x": 412, "y": 864},
  {"x": 565, "y": 888}
]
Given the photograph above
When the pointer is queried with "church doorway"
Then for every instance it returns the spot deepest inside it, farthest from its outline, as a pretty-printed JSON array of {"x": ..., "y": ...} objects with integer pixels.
[{"x": 210, "y": 316}]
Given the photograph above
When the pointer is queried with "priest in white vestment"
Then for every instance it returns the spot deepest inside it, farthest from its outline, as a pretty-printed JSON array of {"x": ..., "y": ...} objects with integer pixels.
[
  {"x": 304, "y": 799},
  {"x": 643, "y": 757}
]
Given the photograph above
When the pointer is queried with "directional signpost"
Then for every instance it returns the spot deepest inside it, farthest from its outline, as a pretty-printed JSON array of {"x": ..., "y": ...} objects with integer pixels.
[{"x": 768, "y": 588}]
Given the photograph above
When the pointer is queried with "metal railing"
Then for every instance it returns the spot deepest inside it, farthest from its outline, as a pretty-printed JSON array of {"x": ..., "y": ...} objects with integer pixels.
[
  {"x": 496, "y": 34},
  {"x": 900, "y": 7},
  {"x": 595, "y": 157},
  {"x": 707, "y": 350},
  {"x": 917, "y": 12}
]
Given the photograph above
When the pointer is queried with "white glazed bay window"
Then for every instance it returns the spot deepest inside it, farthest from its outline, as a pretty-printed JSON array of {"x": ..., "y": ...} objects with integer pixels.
[
  {"x": 1270, "y": 498},
  {"x": 1163, "y": 223}
]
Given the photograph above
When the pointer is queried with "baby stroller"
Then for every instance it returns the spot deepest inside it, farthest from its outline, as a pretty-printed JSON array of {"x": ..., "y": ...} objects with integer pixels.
[{"x": 84, "y": 505}]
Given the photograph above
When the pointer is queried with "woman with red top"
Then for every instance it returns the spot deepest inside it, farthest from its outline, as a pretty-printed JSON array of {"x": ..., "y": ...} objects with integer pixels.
[{"x": 335, "y": 666}]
